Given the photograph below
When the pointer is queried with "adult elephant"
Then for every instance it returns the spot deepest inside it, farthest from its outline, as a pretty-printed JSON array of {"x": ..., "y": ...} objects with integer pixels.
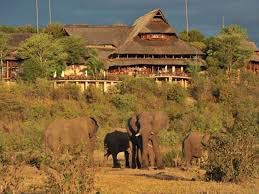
[
  {"x": 194, "y": 146},
  {"x": 147, "y": 126},
  {"x": 116, "y": 142},
  {"x": 71, "y": 132}
]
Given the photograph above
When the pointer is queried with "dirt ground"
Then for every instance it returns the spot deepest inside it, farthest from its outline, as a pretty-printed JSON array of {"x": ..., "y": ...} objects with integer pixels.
[
  {"x": 133, "y": 181},
  {"x": 169, "y": 180}
]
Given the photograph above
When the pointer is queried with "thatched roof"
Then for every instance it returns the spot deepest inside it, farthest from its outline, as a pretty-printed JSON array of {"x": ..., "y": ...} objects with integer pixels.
[
  {"x": 126, "y": 39},
  {"x": 175, "y": 47},
  {"x": 99, "y": 35},
  {"x": 14, "y": 42},
  {"x": 17, "y": 38},
  {"x": 145, "y": 24},
  {"x": 161, "y": 61}
]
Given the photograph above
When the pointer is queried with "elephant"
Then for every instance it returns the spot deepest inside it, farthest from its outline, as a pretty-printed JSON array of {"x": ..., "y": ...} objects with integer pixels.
[
  {"x": 194, "y": 146},
  {"x": 115, "y": 142},
  {"x": 147, "y": 125},
  {"x": 71, "y": 132}
]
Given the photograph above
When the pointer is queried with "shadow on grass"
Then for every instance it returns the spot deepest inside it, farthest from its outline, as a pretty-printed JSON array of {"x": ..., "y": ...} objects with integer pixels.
[{"x": 163, "y": 176}]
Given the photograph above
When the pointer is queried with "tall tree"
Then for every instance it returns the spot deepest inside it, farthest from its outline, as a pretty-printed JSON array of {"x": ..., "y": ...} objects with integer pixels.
[
  {"x": 45, "y": 50},
  {"x": 95, "y": 65},
  {"x": 56, "y": 30},
  {"x": 193, "y": 36},
  {"x": 75, "y": 49},
  {"x": 4, "y": 51},
  {"x": 227, "y": 50}
]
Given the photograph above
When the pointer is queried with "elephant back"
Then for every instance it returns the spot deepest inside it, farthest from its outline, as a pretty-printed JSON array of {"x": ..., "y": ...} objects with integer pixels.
[{"x": 62, "y": 132}]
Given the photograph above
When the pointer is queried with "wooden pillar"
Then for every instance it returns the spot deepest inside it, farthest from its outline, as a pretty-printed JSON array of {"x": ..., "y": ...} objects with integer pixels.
[
  {"x": 181, "y": 68},
  {"x": 55, "y": 84},
  {"x": 173, "y": 69},
  {"x": 86, "y": 85},
  {"x": 7, "y": 70},
  {"x": 97, "y": 84},
  {"x": 105, "y": 87},
  {"x": 182, "y": 82},
  {"x": 166, "y": 68},
  {"x": 170, "y": 79}
]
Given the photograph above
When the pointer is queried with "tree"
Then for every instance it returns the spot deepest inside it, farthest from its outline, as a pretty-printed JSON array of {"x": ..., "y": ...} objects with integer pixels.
[
  {"x": 56, "y": 30},
  {"x": 31, "y": 70},
  {"x": 193, "y": 36},
  {"x": 227, "y": 50},
  {"x": 95, "y": 65},
  {"x": 44, "y": 50},
  {"x": 75, "y": 49},
  {"x": 4, "y": 50}
]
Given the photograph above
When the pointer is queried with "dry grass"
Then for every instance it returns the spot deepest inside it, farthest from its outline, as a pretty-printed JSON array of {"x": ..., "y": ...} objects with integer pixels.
[
  {"x": 170, "y": 180},
  {"x": 127, "y": 181}
]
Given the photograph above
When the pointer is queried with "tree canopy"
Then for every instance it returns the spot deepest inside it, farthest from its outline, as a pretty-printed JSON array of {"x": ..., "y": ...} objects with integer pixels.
[
  {"x": 56, "y": 30},
  {"x": 45, "y": 50},
  {"x": 227, "y": 50},
  {"x": 75, "y": 49},
  {"x": 95, "y": 65},
  {"x": 193, "y": 36}
]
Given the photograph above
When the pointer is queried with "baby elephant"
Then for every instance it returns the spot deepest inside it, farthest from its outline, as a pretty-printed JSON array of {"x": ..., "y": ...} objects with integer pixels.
[{"x": 115, "y": 142}]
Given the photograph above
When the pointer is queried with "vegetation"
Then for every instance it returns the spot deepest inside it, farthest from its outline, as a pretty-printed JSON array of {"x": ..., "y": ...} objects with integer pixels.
[
  {"x": 227, "y": 50},
  {"x": 210, "y": 104},
  {"x": 18, "y": 29},
  {"x": 4, "y": 50}
]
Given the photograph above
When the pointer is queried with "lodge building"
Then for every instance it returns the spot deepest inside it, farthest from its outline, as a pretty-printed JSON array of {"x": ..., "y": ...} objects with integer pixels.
[{"x": 149, "y": 48}]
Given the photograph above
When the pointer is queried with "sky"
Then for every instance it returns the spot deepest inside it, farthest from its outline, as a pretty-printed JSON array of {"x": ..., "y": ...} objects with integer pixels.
[{"x": 205, "y": 15}]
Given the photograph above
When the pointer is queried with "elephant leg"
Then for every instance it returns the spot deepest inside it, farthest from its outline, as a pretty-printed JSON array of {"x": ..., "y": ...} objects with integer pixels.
[
  {"x": 157, "y": 152},
  {"x": 126, "y": 154},
  {"x": 151, "y": 156},
  {"x": 145, "y": 152},
  {"x": 138, "y": 157},
  {"x": 133, "y": 156},
  {"x": 116, "y": 163}
]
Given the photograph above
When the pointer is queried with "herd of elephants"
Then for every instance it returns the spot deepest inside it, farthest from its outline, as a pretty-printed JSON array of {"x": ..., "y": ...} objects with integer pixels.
[{"x": 139, "y": 142}]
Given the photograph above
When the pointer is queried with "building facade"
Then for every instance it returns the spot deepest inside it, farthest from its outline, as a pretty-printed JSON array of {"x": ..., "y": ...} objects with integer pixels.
[{"x": 148, "y": 48}]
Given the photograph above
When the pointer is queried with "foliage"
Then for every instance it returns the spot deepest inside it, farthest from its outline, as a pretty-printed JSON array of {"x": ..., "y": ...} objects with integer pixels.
[
  {"x": 231, "y": 158},
  {"x": 94, "y": 64},
  {"x": 193, "y": 36},
  {"x": 56, "y": 30},
  {"x": 46, "y": 51},
  {"x": 18, "y": 29},
  {"x": 176, "y": 93},
  {"x": 227, "y": 50},
  {"x": 32, "y": 70},
  {"x": 75, "y": 49}
]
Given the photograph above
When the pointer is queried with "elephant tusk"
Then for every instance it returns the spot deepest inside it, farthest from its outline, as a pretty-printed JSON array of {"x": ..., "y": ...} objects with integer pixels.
[{"x": 138, "y": 134}]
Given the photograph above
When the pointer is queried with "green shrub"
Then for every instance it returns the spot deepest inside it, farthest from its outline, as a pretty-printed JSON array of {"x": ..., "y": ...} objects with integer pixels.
[
  {"x": 176, "y": 93},
  {"x": 126, "y": 102},
  {"x": 231, "y": 158}
]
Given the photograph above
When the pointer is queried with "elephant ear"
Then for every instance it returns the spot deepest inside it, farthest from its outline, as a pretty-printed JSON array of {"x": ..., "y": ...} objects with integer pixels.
[
  {"x": 132, "y": 125},
  {"x": 205, "y": 139},
  {"x": 160, "y": 121},
  {"x": 93, "y": 127}
]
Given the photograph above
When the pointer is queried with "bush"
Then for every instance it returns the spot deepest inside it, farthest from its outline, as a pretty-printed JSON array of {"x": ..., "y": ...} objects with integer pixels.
[
  {"x": 68, "y": 91},
  {"x": 176, "y": 93},
  {"x": 231, "y": 158}
]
